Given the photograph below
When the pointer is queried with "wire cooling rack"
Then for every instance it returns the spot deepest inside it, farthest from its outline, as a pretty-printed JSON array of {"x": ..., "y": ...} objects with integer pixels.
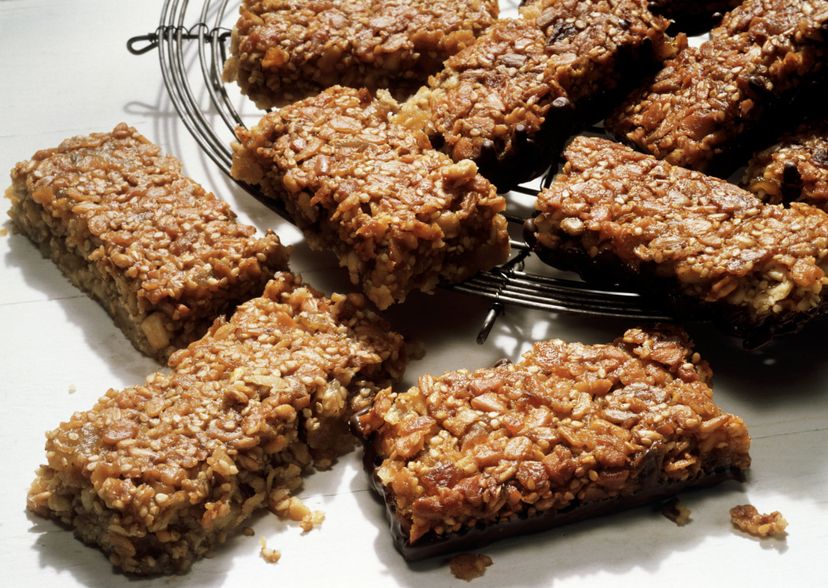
[{"x": 192, "y": 43}]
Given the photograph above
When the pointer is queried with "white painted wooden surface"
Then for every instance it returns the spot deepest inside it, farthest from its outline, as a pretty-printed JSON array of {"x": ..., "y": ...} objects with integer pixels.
[{"x": 65, "y": 70}]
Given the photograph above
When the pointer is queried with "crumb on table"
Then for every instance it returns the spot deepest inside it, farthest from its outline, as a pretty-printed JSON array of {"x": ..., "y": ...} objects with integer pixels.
[
  {"x": 468, "y": 566},
  {"x": 676, "y": 512},
  {"x": 746, "y": 518},
  {"x": 271, "y": 556}
]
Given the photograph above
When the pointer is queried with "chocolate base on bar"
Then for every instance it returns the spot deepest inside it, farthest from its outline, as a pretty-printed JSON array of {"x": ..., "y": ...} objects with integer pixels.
[
  {"x": 469, "y": 539},
  {"x": 567, "y": 432},
  {"x": 692, "y": 16}
]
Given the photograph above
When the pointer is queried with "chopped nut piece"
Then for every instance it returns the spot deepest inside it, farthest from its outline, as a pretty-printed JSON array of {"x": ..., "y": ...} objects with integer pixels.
[
  {"x": 291, "y": 49},
  {"x": 159, "y": 253},
  {"x": 533, "y": 463},
  {"x": 312, "y": 521},
  {"x": 746, "y": 518},
  {"x": 156, "y": 475},
  {"x": 468, "y": 566},
  {"x": 398, "y": 215},
  {"x": 271, "y": 556},
  {"x": 705, "y": 246},
  {"x": 676, "y": 512},
  {"x": 248, "y": 531}
]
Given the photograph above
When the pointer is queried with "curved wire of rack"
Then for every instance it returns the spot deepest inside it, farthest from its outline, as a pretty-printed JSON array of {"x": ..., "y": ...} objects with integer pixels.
[{"x": 509, "y": 283}]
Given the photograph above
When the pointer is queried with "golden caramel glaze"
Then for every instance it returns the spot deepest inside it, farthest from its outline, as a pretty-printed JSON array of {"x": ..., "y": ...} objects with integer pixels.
[
  {"x": 796, "y": 168},
  {"x": 158, "y": 474},
  {"x": 498, "y": 93},
  {"x": 163, "y": 256},
  {"x": 567, "y": 426},
  {"x": 675, "y": 231},
  {"x": 708, "y": 99},
  {"x": 284, "y": 50},
  {"x": 399, "y": 215}
]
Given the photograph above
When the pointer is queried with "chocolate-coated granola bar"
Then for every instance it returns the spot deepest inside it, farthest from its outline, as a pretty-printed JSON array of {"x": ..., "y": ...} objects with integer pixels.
[
  {"x": 509, "y": 100},
  {"x": 709, "y": 103},
  {"x": 706, "y": 246},
  {"x": 157, "y": 475},
  {"x": 162, "y": 256},
  {"x": 794, "y": 169},
  {"x": 284, "y": 50},
  {"x": 569, "y": 431},
  {"x": 398, "y": 214}
]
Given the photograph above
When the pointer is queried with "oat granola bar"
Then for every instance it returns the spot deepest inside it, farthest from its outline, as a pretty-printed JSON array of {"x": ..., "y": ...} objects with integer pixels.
[
  {"x": 710, "y": 103},
  {"x": 706, "y": 246},
  {"x": 157, "y": 475},
  {"x": 794, "y": 169},
  {"x": 399, "y": 215},
  {"x": 569, "y": 431},
  {"x": 509, "y": 100},
  {"x": 283, "y": 50},
  {"x": 161, "y": 255}
]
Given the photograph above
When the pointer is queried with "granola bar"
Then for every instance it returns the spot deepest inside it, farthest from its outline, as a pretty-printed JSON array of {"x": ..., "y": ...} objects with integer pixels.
[
  {"x": 283, "y": 50},
  {"x": 709, "y": 103},
  {"x": 509, "y": 100},
  {"x": 159, "y": 253},
  {"x": 569, "y": 431},
  {"x": 706, "y": 246},
  {"x": 157, "y": 475},
  {"x": 398, "y": 214},
  {"x": 794, "y": 169}
]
